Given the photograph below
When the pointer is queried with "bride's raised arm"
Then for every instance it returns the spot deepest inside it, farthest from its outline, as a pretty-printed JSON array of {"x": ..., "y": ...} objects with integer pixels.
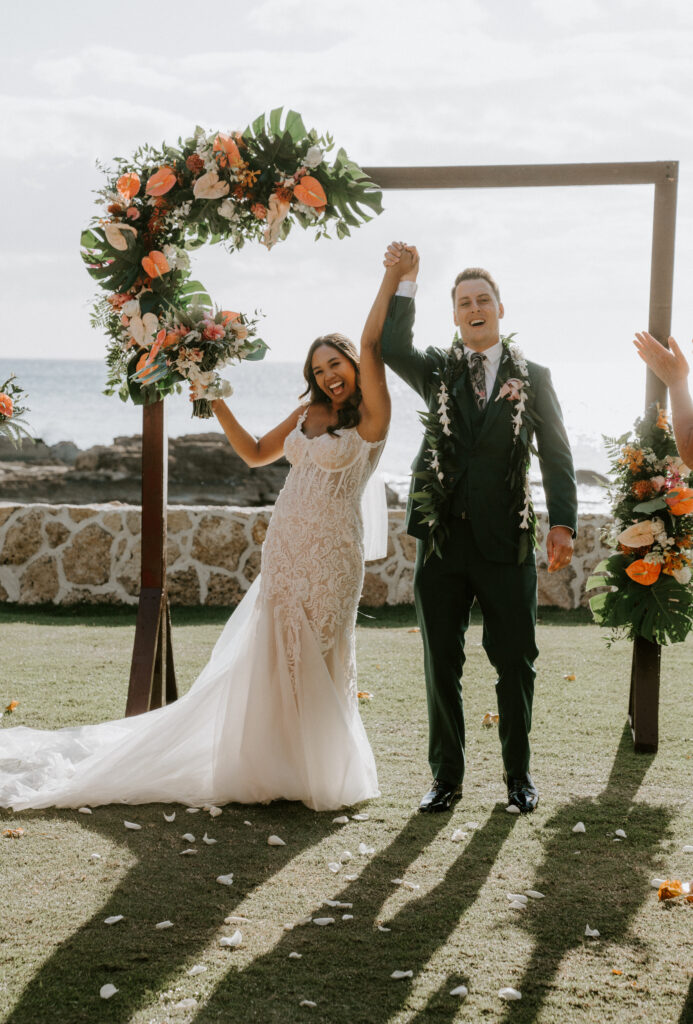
[
  {"x": 375, "y": 398},
  {"x": 254, "y": 451}
]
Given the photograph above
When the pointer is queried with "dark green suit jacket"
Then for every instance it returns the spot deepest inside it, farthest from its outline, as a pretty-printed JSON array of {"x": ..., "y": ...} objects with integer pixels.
[{"x": 484, "y": 455}]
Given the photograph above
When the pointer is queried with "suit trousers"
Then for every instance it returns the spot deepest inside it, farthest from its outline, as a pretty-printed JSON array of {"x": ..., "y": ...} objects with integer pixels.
[{"x": 444, "y": 591}]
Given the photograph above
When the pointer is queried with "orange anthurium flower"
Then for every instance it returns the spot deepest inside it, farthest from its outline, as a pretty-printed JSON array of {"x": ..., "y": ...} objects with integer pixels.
[
  {"x": 680, "y": 501},
  {"x": 156, "y": 264},
  {"x": 128, "y": 185},
  {"x": 226, "y": 145},
  {"x": 142, "y": 363},
  {"x": 161, "y": 182},
  {"x": 310, "y": 191},
  {"x": 645, "y": 573},
  {"x": 228, "y": 317},
  {"x": 6, "y": 405}
]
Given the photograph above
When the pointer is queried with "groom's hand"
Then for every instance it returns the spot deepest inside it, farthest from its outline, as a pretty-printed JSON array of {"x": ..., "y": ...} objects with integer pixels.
[{"x": 559, "y": 547}]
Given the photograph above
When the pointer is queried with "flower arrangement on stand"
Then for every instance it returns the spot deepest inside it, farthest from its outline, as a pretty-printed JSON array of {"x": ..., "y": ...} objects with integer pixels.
[
  {"x": 649, "y": 575},
  {"x": 214, "y": 187},
  {"x": 12, "y": 423}
]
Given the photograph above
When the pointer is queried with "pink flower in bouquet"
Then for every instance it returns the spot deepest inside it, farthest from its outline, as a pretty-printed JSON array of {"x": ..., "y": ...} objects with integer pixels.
[
  {"x": 658, "y": 483},
  {"x": 118, "y": 300},
  {"x": 277, "y": 213},
  {"x": 259, "y": 210},
  {"x": 132, "y": 213},
  {"x": 213, "y": 332},
  {"x": 6, "y": 405},
  {"x": 511, "y": 389},
  {"x": 209, "y": 186}
]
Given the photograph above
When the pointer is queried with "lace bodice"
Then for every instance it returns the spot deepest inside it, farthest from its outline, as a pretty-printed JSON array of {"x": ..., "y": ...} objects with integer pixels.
[{"x": 313, "y": 552}]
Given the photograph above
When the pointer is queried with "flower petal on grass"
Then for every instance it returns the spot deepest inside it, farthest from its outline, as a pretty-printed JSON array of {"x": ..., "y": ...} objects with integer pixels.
[
  {"x": 106, "y": 991},
  {"x": 94, "y": 856},
  {"x": 462, "y": 991},
  {"x": 207, "y": 841},
  {"x": 114, "y": 919},
  {"x": 360, "y": 817},
  {"x": 322, "y": 921},
  {"x": 410, "y": 885},
  {"x": 512, "y": 809},
  {"x": 382, "y": 928},
  {"x": 687, "y": 849},
  {"x": 192, "y": 810},
  {"x": 169, "y": 817},
  {"x": 247, "y": 823},
  {"x": 350, "y": 878},
  {"x": 366, "y": 851},
  {"x": 458, "y": 835},
  {"x": 12, "y": 833},
  {"x": 197, "y": 969},
  {"x": 184, "y": 853},
  {"x": 307, "y": 1002},
  {"x": 84, "y": 810},
  {"x": 516, "y": 896},
  {"x": 656, "y": 882},
  {"x": 396, "y": 881},
  {"x": 186, "y": 1004},
  {"x": 509, "y": 993},
  {"x": 341, "y": 820},
  {"x": 295, "y": 956},
  {"x": 471, "y": 824},
  {"x": 334, "y": 867},
  {"x": 214, "y": 811},
  {"x": 534, "y": 894},
  {"x": 232, "y": 940},
  {"x": 163, "y": 925},
  {"x": 591, "y": 933},
  {"x": 189, "y": 837},
  {"x": 225, "y": 879},
  {"x": 489, "y": 719},
  {"x": 620, "y": 833},
  {"x": 399, "y": 975},
  {"x": 580, "y": 827},
  {"x": 346, "y": 855},
  {"x": 236, "y": 919},
  {"x": 275, "y": 841},
  {"x": 517, "y": 905},
  {"x": 570, "y": 677},
  {"x": 132, "y": 825}
]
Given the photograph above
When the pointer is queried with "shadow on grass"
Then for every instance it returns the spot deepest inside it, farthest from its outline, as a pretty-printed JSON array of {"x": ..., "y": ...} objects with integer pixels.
[
  {"x": 346, "y": 969},
  {"x": 133, "y": 955},
  {"x": 608, "y": 883}
]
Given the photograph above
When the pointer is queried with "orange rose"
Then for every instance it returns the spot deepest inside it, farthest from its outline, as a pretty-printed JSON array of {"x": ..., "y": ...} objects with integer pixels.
[
  {"x": 645, "y": 573},
  {"x": 156, "y": 264},
  {"x": 161, "y": 182},
  {"x": 6, "y": 405},
  {"x": 680, "y": 501}
]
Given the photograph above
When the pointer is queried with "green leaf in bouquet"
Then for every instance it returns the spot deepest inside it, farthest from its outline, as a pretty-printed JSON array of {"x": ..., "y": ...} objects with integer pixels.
[
  {"x": 294, "y": 126},
  {"x": 194, "y": 293},
  {"x": 259, "y": 351},
  {"x": 650, "y": 506}
]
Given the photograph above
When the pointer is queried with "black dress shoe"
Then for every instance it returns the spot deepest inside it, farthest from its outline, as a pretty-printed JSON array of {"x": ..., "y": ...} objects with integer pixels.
[
  {"x": 440, "y": 797},
  {"x": 522, "y": 793}
]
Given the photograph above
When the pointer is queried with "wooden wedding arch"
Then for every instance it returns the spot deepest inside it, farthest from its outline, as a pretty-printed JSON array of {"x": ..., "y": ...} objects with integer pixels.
[{"x": 152, "y": 675}]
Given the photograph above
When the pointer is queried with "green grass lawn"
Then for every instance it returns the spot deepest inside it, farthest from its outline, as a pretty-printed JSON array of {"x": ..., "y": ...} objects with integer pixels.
[{"x": 452, "y": 926}]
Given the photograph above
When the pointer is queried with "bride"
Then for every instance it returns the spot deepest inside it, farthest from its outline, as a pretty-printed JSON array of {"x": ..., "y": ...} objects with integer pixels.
[{"x": 274, "y": 714}]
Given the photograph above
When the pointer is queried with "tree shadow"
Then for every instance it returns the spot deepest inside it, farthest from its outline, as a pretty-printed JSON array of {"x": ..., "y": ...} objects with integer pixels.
[
  {"x": 346, "y": 968},
  {"x": 137, "y": 958}
]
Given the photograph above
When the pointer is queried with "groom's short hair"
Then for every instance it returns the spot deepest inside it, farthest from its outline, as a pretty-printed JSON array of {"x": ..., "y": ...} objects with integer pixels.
[{"x": 472, "y": 274}]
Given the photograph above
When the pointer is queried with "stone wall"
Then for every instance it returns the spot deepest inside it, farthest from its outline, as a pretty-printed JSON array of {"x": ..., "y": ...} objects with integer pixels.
[{"x": 70, "y": 554}]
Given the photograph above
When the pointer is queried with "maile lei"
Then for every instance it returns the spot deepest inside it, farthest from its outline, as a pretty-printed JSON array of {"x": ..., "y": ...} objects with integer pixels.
[{"x": 433, "y": 499}]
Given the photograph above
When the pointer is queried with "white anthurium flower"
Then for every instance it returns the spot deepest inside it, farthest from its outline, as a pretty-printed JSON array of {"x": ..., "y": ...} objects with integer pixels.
[
  {"x": 227, "y": 208},
  {"x": 116, "y": 235},
  {"x": 131, "y": 308},
  {"x": 142, "y": 329},
  {"x": 313, "y": 157},
  {"x": 208, "y": 186}
]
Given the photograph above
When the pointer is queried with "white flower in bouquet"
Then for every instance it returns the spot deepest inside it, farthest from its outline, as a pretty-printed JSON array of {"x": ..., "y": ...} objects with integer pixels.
[
  {"x": 219, "y": 389},
  {"x": 131, "y": 308},
  {"x": 227, "y": 209},
  {"x": 313, "y": 157},
  {"x": 682, "y": 575}
]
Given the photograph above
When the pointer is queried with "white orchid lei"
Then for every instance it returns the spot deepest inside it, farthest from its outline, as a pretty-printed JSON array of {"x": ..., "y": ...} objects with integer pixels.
[{"x": 433, "y": 499}]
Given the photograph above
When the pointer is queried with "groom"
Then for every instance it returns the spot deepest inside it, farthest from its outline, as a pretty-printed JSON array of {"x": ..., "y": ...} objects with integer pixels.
[{"x": 471, "y": 514}]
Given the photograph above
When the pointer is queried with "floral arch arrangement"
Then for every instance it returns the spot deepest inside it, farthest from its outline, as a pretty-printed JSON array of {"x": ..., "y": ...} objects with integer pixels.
[
  {"x": 213, "y": 187},
  {"x": 649, "y": 575}
]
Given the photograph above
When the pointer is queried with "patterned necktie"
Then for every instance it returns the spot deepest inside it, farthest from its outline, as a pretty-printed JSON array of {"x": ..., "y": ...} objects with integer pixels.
[{"x": 477, "y": 377}]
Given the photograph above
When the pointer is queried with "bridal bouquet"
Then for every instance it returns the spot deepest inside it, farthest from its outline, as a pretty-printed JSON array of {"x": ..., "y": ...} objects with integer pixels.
[
  {"x": 649, "y": 575},
  {"x": 12, "y": 423},
  {"x": 214, "y": 187}
]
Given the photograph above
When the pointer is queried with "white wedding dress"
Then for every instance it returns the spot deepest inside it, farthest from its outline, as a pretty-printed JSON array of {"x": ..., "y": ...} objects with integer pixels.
[{"x": 274, "y": 714}]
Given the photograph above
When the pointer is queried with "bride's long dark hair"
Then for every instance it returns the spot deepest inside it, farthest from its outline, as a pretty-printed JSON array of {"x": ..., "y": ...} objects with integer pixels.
[{"x": 348, "y": 415}]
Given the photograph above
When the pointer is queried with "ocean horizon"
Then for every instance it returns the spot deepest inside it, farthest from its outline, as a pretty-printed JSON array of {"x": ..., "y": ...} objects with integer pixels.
[{"x": 66, "y": 403}]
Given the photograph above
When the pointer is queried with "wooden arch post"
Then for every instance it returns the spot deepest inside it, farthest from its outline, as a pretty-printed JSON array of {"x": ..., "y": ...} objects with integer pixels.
[
  {"x": 152, "y": 675},
  {"x": 643, "y": 707}
]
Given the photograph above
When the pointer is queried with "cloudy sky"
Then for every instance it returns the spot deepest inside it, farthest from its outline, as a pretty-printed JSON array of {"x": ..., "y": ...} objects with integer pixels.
[{"x": 396, "y": 83}]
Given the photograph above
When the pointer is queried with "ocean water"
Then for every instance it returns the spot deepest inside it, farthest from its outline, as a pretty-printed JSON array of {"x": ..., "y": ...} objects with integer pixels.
[{"x": 66, "y": 403}]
